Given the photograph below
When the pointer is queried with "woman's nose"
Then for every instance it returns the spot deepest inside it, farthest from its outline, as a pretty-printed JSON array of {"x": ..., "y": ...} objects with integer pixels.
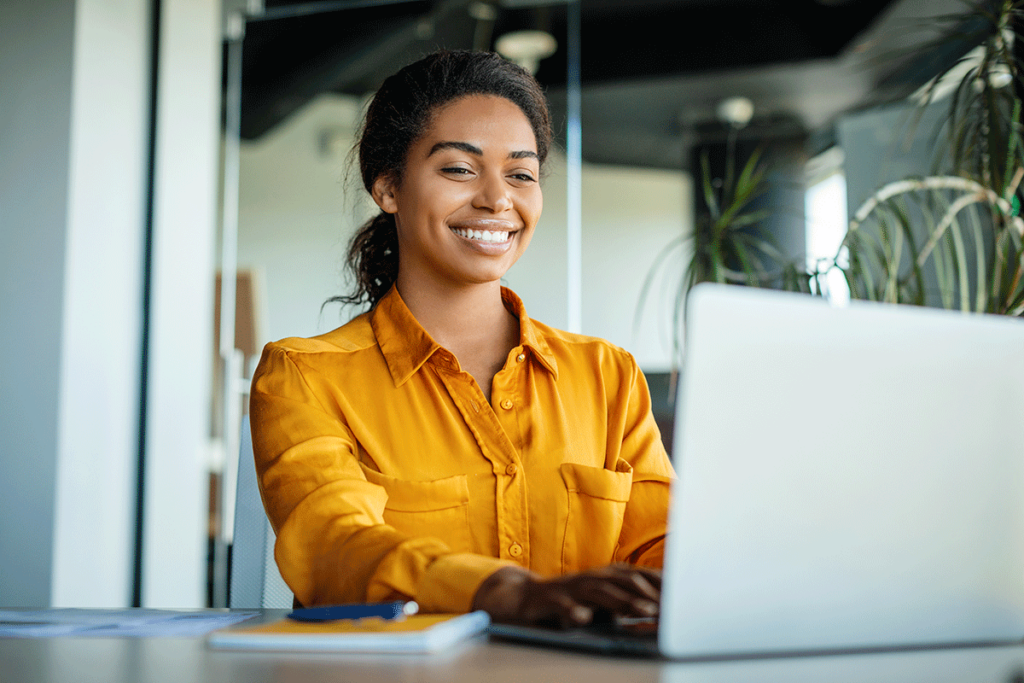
[{"x": 493, "y": 194}]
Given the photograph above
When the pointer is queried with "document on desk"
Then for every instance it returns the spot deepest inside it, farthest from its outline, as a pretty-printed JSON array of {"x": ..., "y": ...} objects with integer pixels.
[
  {"x": 114, "y": 623},
  {"x": 421, "y": 633}
]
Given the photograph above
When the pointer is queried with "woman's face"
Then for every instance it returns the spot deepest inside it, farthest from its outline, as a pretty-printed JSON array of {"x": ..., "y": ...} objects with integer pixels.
[{"x": 470, "y": 198}]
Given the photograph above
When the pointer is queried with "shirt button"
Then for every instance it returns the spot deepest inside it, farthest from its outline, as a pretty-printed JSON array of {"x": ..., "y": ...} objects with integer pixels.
[
  {"x": 511, "y": 469},
  {"x": 521, "y": 357},
  {"x": 515, "y": 550},
  {"x": 507, "y": 404}
]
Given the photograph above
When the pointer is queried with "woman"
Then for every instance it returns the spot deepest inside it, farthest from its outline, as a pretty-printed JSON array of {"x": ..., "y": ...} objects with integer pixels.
[{"x": 444, "y": 447}]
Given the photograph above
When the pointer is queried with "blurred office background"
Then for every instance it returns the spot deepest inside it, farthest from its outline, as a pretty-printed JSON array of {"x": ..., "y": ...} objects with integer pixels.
[{"x": 168, "y": 167}]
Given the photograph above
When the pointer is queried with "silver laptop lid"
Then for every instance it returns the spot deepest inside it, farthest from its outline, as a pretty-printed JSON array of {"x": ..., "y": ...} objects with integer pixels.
[{"x": 848, "y": 478}]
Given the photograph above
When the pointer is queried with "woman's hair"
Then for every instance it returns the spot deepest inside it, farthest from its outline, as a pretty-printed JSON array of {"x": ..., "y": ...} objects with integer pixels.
[{"x": 398, "y": 116}]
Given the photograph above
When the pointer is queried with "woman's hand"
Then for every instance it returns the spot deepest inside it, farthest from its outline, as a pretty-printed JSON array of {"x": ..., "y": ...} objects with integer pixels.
[{"x": 514, "y": 594}]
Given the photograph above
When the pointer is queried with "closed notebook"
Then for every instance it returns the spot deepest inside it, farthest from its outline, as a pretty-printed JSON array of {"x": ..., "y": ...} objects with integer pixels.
[{"x": 421, "y": 633}]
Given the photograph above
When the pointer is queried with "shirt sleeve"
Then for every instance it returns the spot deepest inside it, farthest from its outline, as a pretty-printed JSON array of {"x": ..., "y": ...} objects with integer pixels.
[
  {"x": 333, "y": 545},
  {"x": 642, "y": 539}
]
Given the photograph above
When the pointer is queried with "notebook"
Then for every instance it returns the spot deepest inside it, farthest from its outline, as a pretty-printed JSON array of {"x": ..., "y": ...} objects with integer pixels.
[
  {"x": 850, "y": 479},
  {"x": 421, "y": 633}
]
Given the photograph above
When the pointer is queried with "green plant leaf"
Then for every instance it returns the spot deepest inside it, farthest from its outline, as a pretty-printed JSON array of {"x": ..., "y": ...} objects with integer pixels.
[
  {"x": 956, "y": 234},
  {"x": 980, "y": 262},
  {"x": 709, "y": 190}
]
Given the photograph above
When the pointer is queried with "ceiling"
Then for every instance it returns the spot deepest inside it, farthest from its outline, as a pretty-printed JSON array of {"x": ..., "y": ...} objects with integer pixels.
[{"x": 652, "y": 70}]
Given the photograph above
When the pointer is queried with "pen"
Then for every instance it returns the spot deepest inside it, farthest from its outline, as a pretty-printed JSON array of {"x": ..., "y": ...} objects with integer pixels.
[{"x": 382, "y": 610}]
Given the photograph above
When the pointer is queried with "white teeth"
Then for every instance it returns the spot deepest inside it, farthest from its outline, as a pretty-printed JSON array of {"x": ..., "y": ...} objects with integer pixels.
[{"x": 482, "y": 235}]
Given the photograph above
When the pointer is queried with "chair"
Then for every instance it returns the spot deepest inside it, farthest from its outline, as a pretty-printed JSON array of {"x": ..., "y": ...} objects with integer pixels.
[{"x": 255, "y": 580}]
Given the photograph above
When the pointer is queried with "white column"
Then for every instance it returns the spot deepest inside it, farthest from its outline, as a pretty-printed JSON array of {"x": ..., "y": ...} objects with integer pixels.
[
  {"x": 72, "y": 163},
  {"x": 181, "y": 317},
  {"x": 93, "y": 545}
]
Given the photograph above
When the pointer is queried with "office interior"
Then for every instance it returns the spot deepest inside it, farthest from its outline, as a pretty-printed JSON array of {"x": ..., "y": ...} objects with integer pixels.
[{"x": 147, "y": 147}]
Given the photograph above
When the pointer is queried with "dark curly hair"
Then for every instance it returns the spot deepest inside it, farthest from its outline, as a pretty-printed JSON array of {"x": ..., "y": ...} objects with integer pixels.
[{"x": 398, "y": 116}]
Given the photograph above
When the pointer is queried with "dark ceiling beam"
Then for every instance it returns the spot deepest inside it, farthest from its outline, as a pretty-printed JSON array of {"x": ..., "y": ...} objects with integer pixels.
[
  {"x": 843, "y": 20},
  {"x": 626, "y": 41},
  {"x": 270, "y": 95}
]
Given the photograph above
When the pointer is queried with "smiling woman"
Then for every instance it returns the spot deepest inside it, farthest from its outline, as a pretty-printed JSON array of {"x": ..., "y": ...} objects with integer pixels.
[{"x": 444, "y": 446}]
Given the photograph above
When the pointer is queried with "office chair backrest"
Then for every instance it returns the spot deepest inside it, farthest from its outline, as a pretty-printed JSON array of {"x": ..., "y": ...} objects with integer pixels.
[{"x": 255, "y": 580}]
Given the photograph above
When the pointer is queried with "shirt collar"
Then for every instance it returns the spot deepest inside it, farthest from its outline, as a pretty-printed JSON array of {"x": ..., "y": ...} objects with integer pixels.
[
  {"x": 529, "y": 336},
  {"x": 403, "y": 341},
  {"x": 407, "y": 346}
]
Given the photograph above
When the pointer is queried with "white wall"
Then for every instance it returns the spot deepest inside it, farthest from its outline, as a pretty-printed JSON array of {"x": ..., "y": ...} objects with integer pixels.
[
  {"x": 295, "y": 223},
  {"x": 35, "y": 90},
  {"x": 293, "y": 218}
]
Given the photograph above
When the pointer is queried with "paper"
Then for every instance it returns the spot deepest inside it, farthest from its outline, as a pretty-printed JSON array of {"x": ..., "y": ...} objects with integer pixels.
[{"x": 114, "y": 623}]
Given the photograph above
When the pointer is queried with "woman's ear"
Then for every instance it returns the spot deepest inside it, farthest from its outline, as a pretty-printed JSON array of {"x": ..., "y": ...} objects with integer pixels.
[{"x": 384, "y": 194}]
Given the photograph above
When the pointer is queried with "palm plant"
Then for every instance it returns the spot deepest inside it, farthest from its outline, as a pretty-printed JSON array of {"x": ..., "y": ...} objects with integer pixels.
[
  {"x": 955, "y": 240},
  {"x": 730, "y": 243}
]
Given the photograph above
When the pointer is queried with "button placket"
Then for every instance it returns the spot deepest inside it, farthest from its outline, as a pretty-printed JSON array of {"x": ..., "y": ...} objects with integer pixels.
[{"x": 497, "y": 446}]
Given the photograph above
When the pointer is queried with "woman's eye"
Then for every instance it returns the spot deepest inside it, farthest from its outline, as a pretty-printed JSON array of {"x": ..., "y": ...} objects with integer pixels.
[
  {"x": 525, "y": 177},
  {"x": 455, "y": 170}
]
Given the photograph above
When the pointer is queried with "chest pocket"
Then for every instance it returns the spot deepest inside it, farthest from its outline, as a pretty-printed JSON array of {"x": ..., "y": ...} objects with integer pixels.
[
  {"x": 597, "y": 503},
  {"x": 438, "y": 509}
]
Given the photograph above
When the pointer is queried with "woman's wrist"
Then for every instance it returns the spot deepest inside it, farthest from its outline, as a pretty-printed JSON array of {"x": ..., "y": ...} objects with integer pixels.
[{"x": 501, "y": 594}]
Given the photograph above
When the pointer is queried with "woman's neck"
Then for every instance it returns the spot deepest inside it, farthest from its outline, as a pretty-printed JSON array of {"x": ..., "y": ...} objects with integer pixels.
[
  {"x": 470, "y": 321},
  {"x": 454, "y": 315}
]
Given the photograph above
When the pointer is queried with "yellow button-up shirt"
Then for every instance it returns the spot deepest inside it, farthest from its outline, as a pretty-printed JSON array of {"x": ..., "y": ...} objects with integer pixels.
[{"x": 386, "y": 473}]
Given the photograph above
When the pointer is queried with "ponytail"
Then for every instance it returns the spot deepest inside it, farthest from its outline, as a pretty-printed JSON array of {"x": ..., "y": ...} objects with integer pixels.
[{"x": 373, "y": 260}]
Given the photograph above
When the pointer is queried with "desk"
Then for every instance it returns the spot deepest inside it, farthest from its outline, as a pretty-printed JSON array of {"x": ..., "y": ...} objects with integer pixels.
[{"x": 184, "y": 660}]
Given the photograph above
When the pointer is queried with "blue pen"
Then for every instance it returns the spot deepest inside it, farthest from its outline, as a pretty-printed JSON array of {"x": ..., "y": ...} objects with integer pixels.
[{"x": 382, "y": 610}]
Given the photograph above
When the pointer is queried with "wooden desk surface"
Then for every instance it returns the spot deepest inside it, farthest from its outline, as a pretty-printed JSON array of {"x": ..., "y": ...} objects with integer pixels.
[{"x": 182, "y": 660}]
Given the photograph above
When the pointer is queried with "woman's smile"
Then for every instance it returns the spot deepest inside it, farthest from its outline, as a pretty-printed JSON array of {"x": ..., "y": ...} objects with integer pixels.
[{"x": 489, "y": 235}]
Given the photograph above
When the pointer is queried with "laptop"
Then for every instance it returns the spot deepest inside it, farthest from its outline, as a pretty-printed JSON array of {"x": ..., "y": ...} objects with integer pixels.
[{"x": 850, "y": 479}]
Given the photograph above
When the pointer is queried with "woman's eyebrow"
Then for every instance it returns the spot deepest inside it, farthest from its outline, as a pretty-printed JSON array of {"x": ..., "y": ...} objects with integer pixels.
[
  {"x": 463, "y": 146},
  {"x": 525, "y": 154},
  {"x": 473, "y": 149}
]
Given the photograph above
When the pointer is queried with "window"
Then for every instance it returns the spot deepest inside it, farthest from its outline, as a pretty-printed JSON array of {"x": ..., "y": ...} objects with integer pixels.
[{"x": 825, "y": 211}]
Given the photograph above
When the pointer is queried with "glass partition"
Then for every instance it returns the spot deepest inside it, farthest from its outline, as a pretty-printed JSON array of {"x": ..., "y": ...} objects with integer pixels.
[{"x": 647, "y": 101}]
